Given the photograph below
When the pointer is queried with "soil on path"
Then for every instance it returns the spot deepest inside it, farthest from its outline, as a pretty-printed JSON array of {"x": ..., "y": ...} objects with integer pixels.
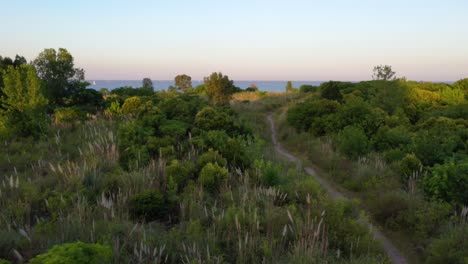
[{"x": 393, "y": 253}]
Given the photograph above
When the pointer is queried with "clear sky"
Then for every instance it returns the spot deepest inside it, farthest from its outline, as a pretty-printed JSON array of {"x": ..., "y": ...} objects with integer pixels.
[{"x": 245, "y": 39}]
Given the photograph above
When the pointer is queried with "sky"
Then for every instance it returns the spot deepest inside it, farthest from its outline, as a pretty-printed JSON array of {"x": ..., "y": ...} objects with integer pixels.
[{"x": 245, "y": 39}]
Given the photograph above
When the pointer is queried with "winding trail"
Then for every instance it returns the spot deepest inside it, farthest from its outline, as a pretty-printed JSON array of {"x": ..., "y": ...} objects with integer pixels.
[{"x": 393, "y": 253}]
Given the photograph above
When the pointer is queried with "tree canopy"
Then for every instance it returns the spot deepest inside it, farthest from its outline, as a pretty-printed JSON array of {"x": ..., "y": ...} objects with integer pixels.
[
  {"x": 60, "y": 78},
  {"x": 384, "y": 73},
  {"x": 219, "y": 88},
  {"x": 183, "y": 82}
]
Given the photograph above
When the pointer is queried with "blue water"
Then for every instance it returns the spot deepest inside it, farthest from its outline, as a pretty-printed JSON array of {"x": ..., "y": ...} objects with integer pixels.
[{"x": 268, "y": 86}]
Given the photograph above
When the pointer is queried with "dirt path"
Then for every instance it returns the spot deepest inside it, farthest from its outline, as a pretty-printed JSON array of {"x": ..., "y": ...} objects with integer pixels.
[{"x": 395, "y": 256}]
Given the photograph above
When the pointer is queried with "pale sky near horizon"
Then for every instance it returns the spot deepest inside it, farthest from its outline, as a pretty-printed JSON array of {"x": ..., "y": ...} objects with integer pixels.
[{"x": 247, "y": 40}]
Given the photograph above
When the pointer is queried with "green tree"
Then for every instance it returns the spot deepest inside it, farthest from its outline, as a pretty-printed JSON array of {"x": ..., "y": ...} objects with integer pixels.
[
  {"x": 330, "y": 90},
  {"x": 148, "y": 84},
  {"x": 289, "y": 87},
  {"x": 5, "y": 62},
  {"x": 219, "y": 88},
  {"x": 183, "y": 82},
  {"x": 60, "y": 78},
  {"x": 384, "y": 73},
  {"x": 22, "y": 104}
]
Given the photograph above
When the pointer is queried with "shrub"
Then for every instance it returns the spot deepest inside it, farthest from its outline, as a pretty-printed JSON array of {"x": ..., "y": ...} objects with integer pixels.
[
  {"x": 212, "y": 176},
  {"x": 353, "y": 142},
  {"x": 330, "y": 90},
  {"x": 389, "y": 208},
  {"x": 307, "y": 88},
  {"x": 448, "y": 182},
  {"x": 148, "y": 205},
  {"x": 69, "y": 115},
  {"x": 75, "y": 253},
  {"x": 179, "y": 172},
  {"x": 211, "y": 156},
  {"x": 131, "y": 106},
  {"x": 451, "y": 247},
  {"x": 269, "y": 172},
  {"x": 409, "y": 164}
]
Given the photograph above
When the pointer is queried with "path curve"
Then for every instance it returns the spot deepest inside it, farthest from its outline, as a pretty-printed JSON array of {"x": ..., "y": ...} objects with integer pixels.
[{"x": 393, "y": 253}]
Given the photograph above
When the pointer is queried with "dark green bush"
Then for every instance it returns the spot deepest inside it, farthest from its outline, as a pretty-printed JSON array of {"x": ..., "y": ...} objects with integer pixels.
[
  {"x": 212, "y": 176},
  {"x": 211, "y": 156},
  {"x": 353, "y": 142},
  {"x": 148, "y": 205},
  {"x": 408, "y": 165},
  {"x": 451, "y": 247}
]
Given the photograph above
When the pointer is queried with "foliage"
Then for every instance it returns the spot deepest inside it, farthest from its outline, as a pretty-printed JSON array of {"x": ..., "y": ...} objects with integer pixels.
[
  {"x": 308, "y": 88},
  {"x": 212, "y": 176},
  {"x": 75, "y": 253},
  {"x": 289, "y": 87},
  {"x": 353, "y": 142},
  {"x": 409, "y": 165},
  {"x": 148, "y": 205},
  {"x": 211, "y": 156},
  {"x": 449, "y": 182},
  {"x": 183, "y": 82},
  {"x": 147, "y": 84},
  {"x": 131, "y": 106},
  {"x": 22, "y": 104},
  {"x": 330, "y": 90},
  {"x": 383, "y": 72},
  {"x": 59, "y": 76},
  {"x": 219, "y": 88},
  {"x": 68, "y": 115},
  {"x": 450, "y": 247}
]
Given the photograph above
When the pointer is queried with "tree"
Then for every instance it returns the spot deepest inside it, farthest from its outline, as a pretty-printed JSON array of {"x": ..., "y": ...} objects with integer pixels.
[
  {"x": 5, "y": 62},
  {"x": 330, "y": 91},
  {"x": 384, "y": 73},
  {"x": 60, "y": 78},
  {"x": 289, "y": 87},
  {"x": 219, "y": 88},
  {"x": 148, "y": 84},
  {"x": 183, "y": 82},
  {"x": 22, "y": 103}
]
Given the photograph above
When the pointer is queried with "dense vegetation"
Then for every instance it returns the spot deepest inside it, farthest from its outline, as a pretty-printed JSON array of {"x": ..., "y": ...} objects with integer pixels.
[
  {"x": 137, "y": 176},
  {"x": 402, "y": 146}
]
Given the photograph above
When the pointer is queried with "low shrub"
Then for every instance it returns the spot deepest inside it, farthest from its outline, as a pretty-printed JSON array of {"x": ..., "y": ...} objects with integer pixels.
[
  {"x": 75, "y": 253},
  {"x": 212, "y": 176},
  {"x": 148, "y": 205}
]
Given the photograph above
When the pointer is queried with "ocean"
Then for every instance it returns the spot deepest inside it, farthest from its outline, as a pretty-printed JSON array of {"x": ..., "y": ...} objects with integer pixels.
[{"x": 268, "y": 86}]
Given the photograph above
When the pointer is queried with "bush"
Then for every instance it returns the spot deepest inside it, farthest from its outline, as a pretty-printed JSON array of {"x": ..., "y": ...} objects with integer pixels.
[
  {"x": 409, "y": 164},
  {"x": 75, "y": 253},
  {"x": 448, "y": 182},
  {"x": 353, "y": 142},
  {"x": 179, "y": 172},
  {"x": 389, "y": 208},
  {"x": 330, "y": 90},
  {"x": 148, "y": 205},
  {"x": 211, "y": 156},
  {"x": 131, "y": 106},
  {"x": 212, "y": 176},
  {"x": 308, "y": 88},
  {"x": 451, "y": 247},
  {"x": 69, "y": 115}
]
